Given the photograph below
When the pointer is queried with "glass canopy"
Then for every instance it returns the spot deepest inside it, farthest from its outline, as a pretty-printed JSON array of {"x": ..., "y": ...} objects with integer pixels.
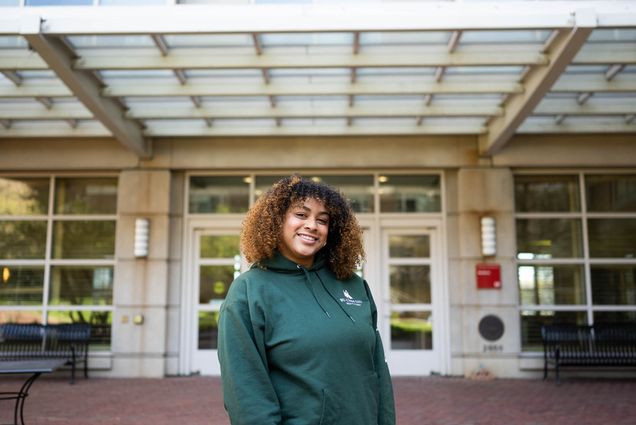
[{"x": 298, "y": 70}]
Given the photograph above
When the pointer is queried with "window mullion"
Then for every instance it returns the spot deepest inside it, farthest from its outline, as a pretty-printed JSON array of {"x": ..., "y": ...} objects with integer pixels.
[
  {"x": 586, "y": 250},
  {"x": 48, "y": 251}
]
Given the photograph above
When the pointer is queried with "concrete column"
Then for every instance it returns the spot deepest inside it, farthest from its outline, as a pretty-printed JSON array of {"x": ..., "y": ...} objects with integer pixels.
[
  {"x": 175, "y": 267},
  {"x": 479, "y": 192},
  {"x": 141, "y": 284}
]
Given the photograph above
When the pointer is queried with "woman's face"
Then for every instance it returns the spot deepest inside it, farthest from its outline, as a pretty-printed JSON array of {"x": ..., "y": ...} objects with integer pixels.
[{"x": 305, "y": 230}]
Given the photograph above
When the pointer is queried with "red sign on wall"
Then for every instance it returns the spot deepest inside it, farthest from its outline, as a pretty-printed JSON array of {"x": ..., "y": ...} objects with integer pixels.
[{"x": 488, "y": 276}]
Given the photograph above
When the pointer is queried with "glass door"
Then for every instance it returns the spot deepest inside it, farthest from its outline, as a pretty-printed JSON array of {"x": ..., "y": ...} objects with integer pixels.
[
  {"x": 217, "y": 262},
  {"x": 410, "y": 277}
]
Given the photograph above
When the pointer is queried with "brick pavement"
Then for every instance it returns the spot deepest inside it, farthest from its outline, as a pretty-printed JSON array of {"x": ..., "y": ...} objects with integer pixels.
[{"x": 420, "y": 401}]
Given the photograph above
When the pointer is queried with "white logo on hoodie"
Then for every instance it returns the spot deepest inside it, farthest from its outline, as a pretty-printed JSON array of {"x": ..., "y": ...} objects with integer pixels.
[{"x": 349, "y": 300}]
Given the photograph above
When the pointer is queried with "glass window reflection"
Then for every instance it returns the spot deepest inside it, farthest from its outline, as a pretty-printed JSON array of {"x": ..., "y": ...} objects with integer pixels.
[
  {"x": 86, "y": 195},
  {"x": 208, "y": 330},
  {"x": 549, "y": 238},
  {"x": 24, "y": 196},
  {"x": 101, "y": 325},
  {"x": 611, "y": 193},
  {"x": 81, "y": 285},
  {"x": 548, "y": 285},
  {"x": 409, "y": 193},
  {"x": 614, "y": 284},
  {"x": 531, "y": 322},
  {"x": 557, "y": 193},
  {"x": 84, "y": 239},
  {"x": 221, "y": 246},
  {"x": 410, "y": 284},
  {"x": 409, "y": 246},
  {"x": 22, "y": 239},
  {"x": 262, "y": 183},
  {"x": 411, "y": 330},
  {"x": 612, "y": 237},
  {"x": 357, "y": 189},
  {"x": 615, "y": 317},
  {"x": 609, "y": 236},
  {"x": 219, "y": 194},
  {"x": 21, "y": 285},
  {"x": 214, "y": 282},
  {"x": 72, "y": 284}
]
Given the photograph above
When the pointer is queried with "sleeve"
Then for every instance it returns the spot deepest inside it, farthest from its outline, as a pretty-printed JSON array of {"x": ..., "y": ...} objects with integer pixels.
[
  {"x": 248, "y": 393},
  {"x": 386, "y": 408}
]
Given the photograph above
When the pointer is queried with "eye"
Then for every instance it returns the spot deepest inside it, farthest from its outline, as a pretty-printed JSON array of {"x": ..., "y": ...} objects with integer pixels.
[
  {"x": 300, "y": 214},
  {"x": 323, "y": 221}
]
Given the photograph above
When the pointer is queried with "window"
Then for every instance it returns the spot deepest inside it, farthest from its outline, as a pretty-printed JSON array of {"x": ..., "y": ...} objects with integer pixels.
[
  {"x": 409, "y": 260},
  {"x": 219, "y": 194},
  {"x": 358, "y": 189},
  {"x": 410, "y": 193},
  {"x": 219, "y": 263},
  {"x": 576, "y": 250},
  {"x": 57, "y": 248},
  {"x": 547, "y": 193}
]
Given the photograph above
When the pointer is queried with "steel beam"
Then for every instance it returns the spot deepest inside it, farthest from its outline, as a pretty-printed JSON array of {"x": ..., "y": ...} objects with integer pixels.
[
  {"x": 534, "y": 127},
  {"x": 215, "y": 19},
  {"x": 195, "y": 88},
  {"x": 304, "y": 111},
  {"x": 57, "y": 56},
  {"x": 211, "y": 59},
  {"x": 538, "y": 82},
  {"x": 13, "y": 76}
]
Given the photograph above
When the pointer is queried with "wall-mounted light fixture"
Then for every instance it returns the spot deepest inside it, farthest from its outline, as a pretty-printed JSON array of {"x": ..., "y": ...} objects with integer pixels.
[
  {"x": 142, "y": 237},
  {"x": 488, "y": 237}
]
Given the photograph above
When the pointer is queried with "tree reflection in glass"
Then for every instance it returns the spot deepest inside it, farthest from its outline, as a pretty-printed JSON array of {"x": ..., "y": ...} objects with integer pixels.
[{"x": 24, "y": 196}]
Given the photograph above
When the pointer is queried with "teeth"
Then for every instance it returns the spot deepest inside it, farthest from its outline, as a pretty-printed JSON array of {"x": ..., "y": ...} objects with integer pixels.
[{"x": 308, "y": 238}]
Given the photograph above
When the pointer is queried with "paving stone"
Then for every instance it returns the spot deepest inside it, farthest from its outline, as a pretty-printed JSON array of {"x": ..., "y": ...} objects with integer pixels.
[{"x": 420, "y": 401}]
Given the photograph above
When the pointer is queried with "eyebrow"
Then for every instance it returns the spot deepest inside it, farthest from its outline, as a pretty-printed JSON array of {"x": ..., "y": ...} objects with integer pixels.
[{"x": 319, "y": 213}]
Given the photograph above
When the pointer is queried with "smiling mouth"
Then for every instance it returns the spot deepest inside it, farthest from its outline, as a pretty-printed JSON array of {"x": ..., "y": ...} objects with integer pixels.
[{"x": 307, "y": 238}]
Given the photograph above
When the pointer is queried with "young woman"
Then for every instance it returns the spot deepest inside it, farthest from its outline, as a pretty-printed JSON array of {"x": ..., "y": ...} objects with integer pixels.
[{"x": 298, "y": 343}]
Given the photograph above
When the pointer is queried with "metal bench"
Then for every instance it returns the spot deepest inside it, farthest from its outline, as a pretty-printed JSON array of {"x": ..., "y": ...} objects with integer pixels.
[
  {"x": 36, "y": 342},
  {"x": 588, "y": 346}
]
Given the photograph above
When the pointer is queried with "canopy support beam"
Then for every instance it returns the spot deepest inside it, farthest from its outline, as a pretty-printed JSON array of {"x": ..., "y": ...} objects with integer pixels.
[
  {"x": 537, "y": 82},
  {"x": 84, "y": 86}
]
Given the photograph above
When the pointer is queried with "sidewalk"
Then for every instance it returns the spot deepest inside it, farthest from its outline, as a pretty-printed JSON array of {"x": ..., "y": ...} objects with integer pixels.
[{"x": 420, "y": 401}]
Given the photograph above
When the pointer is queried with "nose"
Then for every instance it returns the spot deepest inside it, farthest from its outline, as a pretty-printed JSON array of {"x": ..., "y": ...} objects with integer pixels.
[{"x": 310, "y": 223}]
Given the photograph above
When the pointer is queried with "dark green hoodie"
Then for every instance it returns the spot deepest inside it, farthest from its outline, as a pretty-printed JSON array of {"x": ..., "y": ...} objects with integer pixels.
[{"x": 299, "y": 347}]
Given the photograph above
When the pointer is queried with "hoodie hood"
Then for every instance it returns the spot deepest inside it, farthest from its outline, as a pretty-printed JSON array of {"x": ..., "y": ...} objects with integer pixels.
[{"x": 281, "y": 264}]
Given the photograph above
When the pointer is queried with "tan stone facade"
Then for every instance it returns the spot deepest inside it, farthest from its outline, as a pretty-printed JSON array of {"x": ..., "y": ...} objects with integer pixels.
[{"x": 153, "y": 287}]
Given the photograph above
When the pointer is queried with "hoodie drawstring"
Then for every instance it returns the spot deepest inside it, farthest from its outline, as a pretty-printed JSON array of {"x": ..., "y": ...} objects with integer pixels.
[
  {"x": 334, "y": 298},
  {"x": 308, "y": 285},
  {"x": 311, "y": 289}
]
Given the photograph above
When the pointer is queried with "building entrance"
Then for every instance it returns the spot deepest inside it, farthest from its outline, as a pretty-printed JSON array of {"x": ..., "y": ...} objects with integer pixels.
[
  {"x": 414, "y": 307},
  {"x": 402, "y": 218},
  {"x": 402, "y": 270}
]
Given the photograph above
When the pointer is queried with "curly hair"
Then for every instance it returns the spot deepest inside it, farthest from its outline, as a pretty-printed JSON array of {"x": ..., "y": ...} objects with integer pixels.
[{"x": 262, "y": 228}]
